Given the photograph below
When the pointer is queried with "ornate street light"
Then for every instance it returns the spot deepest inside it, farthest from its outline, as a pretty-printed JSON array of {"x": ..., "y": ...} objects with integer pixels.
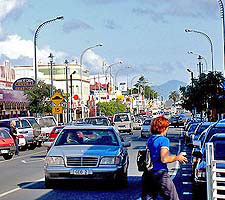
[
  {"x": 208, "y": 38},
  {"x": 35, "y": 42}
]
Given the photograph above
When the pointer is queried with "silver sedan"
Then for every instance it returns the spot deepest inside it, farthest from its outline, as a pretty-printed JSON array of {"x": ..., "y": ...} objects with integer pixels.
[{"x": 87, "y": 152}]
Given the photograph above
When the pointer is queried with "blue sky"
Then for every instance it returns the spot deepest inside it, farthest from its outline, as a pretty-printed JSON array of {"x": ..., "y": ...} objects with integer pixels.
[{"x": 147, "y": 35}]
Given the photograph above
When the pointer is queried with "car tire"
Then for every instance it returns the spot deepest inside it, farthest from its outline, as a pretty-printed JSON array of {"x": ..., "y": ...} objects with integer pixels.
[
  {"x": 39, "y": 144},
  {"x": 49, "y": 183},
  {"x": 7, "y": 156},
  {"x": 23, "y": 148},
  {"x": 122, "y": 179},
  {"x": 32, "y": 146}
]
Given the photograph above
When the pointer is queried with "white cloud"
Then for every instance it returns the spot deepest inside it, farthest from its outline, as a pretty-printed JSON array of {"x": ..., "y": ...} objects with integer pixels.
[{"x": 14, "y": 47}]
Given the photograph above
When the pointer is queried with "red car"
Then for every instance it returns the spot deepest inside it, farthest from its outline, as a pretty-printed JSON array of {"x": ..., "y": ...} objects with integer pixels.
[
  {"x": 7, "y": 144},
  {"x": 55, "y": 131}
]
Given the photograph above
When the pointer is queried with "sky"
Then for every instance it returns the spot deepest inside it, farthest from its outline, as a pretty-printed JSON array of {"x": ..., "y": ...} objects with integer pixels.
[{"x": 147, "y": 35}]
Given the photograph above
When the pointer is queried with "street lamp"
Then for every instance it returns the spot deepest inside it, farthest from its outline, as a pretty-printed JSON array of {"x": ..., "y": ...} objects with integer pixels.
[
  {"x": 110, "y": 67},
  {"x": 71, "y": 94},
  {"x": 223, "y": 25},
  {"x": 51, "y": 73},
  {"x": 192, "y": 76},
  {"x": 35, "y": 42},
  {"x": 81, "y": 80},
  {"x": 208, "y": 38},
  {"x": 67, "y": 90},
  {"x": 199, "y": 58}
]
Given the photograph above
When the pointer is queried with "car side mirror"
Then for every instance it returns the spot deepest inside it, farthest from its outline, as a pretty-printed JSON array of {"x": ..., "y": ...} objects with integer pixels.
[
  {"x": 126, "y": 144},
  {"x": 47, "y": 144}
]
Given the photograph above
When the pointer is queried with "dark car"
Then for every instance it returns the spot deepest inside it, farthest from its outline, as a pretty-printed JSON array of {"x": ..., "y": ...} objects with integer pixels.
[
  {"x": 98, "y": 121},
  {"x": 174, "y": 121}
]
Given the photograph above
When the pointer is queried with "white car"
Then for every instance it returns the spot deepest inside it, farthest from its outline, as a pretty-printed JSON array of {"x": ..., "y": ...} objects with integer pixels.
[{"x": 123, "y": 122}]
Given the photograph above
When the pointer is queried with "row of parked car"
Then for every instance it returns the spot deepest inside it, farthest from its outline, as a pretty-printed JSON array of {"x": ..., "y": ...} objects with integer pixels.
[
  {"x": 196, "y": 135},
  {"x": 31, "y": 131}
]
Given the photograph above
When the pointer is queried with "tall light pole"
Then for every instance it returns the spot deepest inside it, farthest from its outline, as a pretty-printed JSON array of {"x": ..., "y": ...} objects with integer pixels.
[
  {"x": 67, "y": 91},
  {"x": 110, "y": 68},
  {"x": 35, "y": 42},
  {"x": 200, "y": 57},
  {"x": 208, "y": 38},
  {"x": 51, "y": 73},
  {"x": 81, "y": 80},
  {"x": 128, "y": 67},
  {"x": 192, "y": 76},
  {"x": 71, "y": 94},
  {"x": 223, "y": 29}
]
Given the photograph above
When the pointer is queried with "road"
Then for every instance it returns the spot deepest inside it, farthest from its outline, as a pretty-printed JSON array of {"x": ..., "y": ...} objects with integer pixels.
[{"x": 23, "y": 177}]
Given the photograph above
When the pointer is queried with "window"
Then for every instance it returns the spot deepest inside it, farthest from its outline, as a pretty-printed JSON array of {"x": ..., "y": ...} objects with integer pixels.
[
  {"x": 4, "y": 134},
  {"x": 25, "y": 124}
]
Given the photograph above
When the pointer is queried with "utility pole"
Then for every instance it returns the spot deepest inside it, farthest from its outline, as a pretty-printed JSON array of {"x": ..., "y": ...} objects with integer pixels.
[
  {"x": 67, "y": 91},
  {"x": 200, "y": 65},
  {"x": 51, "y": 73}
]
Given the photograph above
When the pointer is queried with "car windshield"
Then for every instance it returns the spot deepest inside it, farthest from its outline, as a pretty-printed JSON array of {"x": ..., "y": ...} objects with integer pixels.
[
  {"x": 213, "y": 131},
  {"x": 32, "y": 121},
  {"x": 4, "y": 134},
  {"x": 47, "y": 122},
  {"x": 219, "y": 150},
  {"x": 87, "y": 137},
  {"x": 201, "y": 129},
  {"x": 121, "y": 118},
  {"x": 192, "y": 127},
  {"x": 98, "y": 121},
  {"x": 147, "y": 122}
]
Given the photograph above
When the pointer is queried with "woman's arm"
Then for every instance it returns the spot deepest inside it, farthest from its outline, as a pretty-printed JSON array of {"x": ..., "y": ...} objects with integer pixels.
[{"x": 166, "y": 158}]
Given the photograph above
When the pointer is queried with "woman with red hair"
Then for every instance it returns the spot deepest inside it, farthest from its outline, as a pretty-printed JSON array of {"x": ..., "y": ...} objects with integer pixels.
[{"x": 157, "y": 180}]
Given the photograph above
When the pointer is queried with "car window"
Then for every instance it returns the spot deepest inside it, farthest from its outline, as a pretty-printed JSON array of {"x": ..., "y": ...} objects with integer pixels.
[
  {"x": 219, "y": 150},
  {"x": 98, "y": 121},
  {"x": 213, "y": 131},
  {"x": 4, "y": 134},
  {"x": 32, "y": 121},
  {"x": 49, "y": 122},
  {"x": 121, "y": 118},
  {"x": 147, "y": 122},
  {"x": 18, "y": 124},
  {"x": 25, "y": 124},
  {"x": 192, "y": 127},
  {"x": 87, "y": 137}
]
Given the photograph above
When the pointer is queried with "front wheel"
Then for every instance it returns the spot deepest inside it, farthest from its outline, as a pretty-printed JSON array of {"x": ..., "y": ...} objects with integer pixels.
[
  {"x": 122, "y": 179},
  {"x": 49, "y": 183},
  {"x": 7, "y": 156},
  {"x": 32, "y": 146}
]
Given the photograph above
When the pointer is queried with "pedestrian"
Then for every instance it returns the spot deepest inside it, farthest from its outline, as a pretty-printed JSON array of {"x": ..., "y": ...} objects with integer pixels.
[
  {"x": 157, "y": 180},
  {"x": 13, "y": 133}
]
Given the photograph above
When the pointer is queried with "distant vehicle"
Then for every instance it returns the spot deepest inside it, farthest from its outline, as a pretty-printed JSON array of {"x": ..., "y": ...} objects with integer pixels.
[
  {"x": 167, "y": 115},
  {"x": 99, "y": 121},
  {"x": 47, "y": 124},
  {"x": 145, "y": 129},
  {"x": 123, "y": 122},
  {"x": 7, "y": 145},
  {"x": 87, "y": 153},
  {"x": 174, "y": 121}
]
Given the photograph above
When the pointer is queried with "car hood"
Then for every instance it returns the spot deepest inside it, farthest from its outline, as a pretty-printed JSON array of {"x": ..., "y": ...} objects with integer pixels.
[{"x": 84, "y": 150}]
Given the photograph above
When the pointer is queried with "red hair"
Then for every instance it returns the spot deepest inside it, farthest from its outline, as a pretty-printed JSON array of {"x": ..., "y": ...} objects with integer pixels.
[{"x": 159, "y": 124}]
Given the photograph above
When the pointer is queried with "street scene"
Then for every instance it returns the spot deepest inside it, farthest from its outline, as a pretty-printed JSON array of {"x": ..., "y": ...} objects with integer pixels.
[{"x": 110, "y": 99}]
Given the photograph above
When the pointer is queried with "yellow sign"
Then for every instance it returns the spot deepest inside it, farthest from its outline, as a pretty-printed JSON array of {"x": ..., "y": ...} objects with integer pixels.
[
  {"x": 57, "y": 109},
  {"x": 57, "y": 98},
  {"x": 120, "y": 97}
]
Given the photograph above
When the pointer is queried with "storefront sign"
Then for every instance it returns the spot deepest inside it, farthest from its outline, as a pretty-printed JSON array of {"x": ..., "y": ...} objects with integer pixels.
[{"x": 23, "y": 84}]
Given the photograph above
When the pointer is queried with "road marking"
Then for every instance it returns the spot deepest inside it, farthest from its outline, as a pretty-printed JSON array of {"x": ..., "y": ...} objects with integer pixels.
[
  {"x": 19, "y": 188},
  {"x": 22, "y": 156},
  {"x": 187, "y": 193},
  {"x": 32, "y": 161},
  {"x": 187, "y": 183}
]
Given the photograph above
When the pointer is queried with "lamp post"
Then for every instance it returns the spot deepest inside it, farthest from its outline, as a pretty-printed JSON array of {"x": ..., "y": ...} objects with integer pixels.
[
  {"x": 199, "y": 58},
  {"x": 208, "y": 38},
  {"x": 223, "y": 29},
  {"x": 51, "y": 73},
  {"x": 35, "y": 42},
  {"x": 110, "y": 68},
  {"x": 128, "y": 67},
  {"x": 81, "y": 80},
  {"x": 67, "y": 90},
  {"x": 71, "y": 94}
]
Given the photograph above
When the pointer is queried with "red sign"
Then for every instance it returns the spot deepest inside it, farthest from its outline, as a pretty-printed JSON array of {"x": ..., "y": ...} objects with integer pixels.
[{"x": 75, "y": 97}]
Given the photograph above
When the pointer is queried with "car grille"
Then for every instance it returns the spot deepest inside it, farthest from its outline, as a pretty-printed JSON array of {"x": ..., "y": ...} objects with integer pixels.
[{"x": 82, "y": 161}]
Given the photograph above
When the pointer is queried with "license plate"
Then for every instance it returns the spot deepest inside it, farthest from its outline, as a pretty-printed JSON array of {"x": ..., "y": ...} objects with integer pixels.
[
  {"x": 4, "y": 151},
  {"x": 82, "y": 172}
]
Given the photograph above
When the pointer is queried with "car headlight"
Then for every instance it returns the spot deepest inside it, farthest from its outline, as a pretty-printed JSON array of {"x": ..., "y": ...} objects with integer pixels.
[
  {"x": 54, "y": 160},
  {"x": 110, "y": 161}
]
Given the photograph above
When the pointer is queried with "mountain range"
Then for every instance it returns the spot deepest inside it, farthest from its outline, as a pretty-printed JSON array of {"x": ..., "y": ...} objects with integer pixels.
[{"x": 166, "y": 88}]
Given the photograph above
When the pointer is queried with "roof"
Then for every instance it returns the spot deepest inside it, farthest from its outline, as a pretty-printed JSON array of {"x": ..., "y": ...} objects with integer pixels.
[{"x": 90, "y": 127}]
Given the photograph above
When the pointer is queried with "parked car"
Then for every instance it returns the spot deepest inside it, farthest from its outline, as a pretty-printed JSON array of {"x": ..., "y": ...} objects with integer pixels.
[
  {"x": 87, "y": 152},
  {"x": 189, "y": 132},
  {"x": 123, "y": 122},
  {"x": 137, "y": 123},
  {"x": 174, "y": 121},
  {"x": 47, "y": 124},
  {"x": 145, "y": 129},
  {"x": 99, "y": 121},
  {"x": 7, "y": 144},
  {"x": 24, "y": 130}
]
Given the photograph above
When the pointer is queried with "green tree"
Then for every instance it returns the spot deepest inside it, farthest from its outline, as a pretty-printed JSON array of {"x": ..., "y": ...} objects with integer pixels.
[
  {"x": 175, "y": 96},
  {"x": 39, "y": 98},
  {"x": 112, "y": 107}
]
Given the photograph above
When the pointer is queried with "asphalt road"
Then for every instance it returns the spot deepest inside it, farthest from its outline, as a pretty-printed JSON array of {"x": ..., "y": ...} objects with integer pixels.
[{"x": 23, "y": 177}]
